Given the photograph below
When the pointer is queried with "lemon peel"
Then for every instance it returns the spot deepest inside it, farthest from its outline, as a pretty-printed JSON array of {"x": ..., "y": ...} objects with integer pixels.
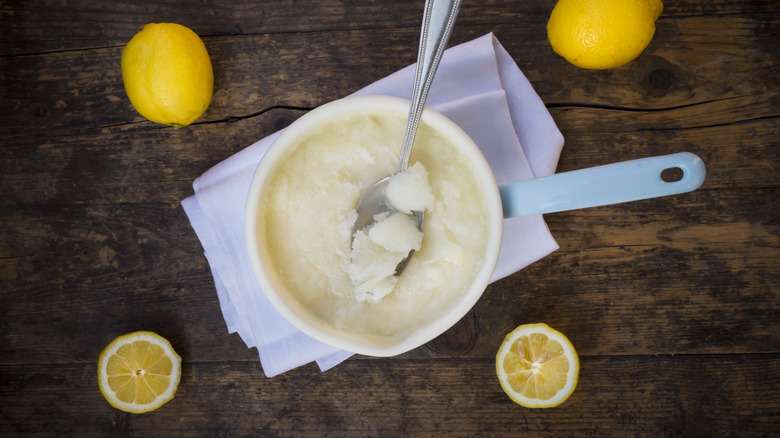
[
  {"x": 167, "y": 74},
  {"x": 602, "y": 34}
]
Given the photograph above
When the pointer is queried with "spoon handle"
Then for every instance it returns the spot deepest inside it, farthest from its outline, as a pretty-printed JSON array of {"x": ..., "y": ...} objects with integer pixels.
[
  {"x": 602, "y": 185},
  {"x": 438, "y": 20}
]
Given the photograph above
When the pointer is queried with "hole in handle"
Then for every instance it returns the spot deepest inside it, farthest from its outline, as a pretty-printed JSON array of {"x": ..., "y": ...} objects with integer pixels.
[{"x": 672, "y": 174}]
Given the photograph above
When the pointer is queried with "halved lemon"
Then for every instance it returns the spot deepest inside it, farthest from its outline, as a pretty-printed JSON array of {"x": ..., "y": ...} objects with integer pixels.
[
  {"x": 537, "y": 366},
  {"x": 139, "y": 372}
]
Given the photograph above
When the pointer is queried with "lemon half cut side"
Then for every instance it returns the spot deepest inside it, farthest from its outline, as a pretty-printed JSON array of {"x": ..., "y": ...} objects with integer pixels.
[
  {"x": 139, "y": 372},
  {"x": 537, "y": 366}
]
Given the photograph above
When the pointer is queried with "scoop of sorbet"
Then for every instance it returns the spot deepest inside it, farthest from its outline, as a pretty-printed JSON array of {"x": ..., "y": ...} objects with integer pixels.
[
  {"x": 409, "y": 191},
  {"x": 378, "y": 249}
]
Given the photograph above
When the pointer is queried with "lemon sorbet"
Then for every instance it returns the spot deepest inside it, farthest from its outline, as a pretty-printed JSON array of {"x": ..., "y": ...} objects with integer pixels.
[{"x": 306, "y": 219}]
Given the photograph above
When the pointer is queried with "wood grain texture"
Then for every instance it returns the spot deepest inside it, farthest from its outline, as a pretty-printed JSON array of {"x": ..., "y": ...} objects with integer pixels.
[
  {"x": 44, "y": 26},
  {"x": 646, "y": 396},
  {"x": 672, "y": 303},
  {"x": 618, "y": 265}
]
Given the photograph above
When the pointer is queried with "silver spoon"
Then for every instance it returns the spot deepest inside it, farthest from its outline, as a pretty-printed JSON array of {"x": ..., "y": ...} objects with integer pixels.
[{"x": 438, "y": 19}]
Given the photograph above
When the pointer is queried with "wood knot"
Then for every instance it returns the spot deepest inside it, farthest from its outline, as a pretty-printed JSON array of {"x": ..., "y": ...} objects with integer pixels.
[
  {"x": 282, "y": 121},
  {"x": 662, "y": 79},
  {"x": 660, "y": 76}
]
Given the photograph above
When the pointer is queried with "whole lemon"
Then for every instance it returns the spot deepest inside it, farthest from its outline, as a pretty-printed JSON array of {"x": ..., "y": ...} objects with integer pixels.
[
  {"x": 600, "y": 34},
  {"x": 167, "y": 74}
]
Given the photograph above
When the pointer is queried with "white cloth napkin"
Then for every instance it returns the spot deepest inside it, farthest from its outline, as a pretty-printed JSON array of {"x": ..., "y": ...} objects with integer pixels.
[{"x": 481, "y": 89}]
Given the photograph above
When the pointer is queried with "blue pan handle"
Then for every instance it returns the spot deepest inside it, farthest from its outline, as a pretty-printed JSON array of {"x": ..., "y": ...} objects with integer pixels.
[{"x": 602, "y": 185}]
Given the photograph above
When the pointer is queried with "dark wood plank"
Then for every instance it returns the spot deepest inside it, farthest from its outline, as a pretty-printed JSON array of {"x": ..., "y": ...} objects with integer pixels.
[
  {"x": 637, "y": 396},
  {"x": 139, "y": 265},
  {"x": 31, "y": 27},
  {"x": 135, "y": 267},
  {"x": 737, "y": 155},
  {"x": 257, "y": 72},
  {"x": 96, "y": 164},
  {"x": 99, "y": 167}
]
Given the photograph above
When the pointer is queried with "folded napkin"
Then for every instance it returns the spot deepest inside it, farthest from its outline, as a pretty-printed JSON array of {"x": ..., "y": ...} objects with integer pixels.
[{"x": 480, "y": 88}]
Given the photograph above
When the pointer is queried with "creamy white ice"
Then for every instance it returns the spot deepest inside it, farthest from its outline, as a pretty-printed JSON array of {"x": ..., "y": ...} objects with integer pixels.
[{"x": 309, "y": 208}]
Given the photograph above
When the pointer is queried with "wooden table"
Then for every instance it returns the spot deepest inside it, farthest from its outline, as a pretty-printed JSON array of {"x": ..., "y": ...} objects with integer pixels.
[{"x": 671, "y": 303}]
